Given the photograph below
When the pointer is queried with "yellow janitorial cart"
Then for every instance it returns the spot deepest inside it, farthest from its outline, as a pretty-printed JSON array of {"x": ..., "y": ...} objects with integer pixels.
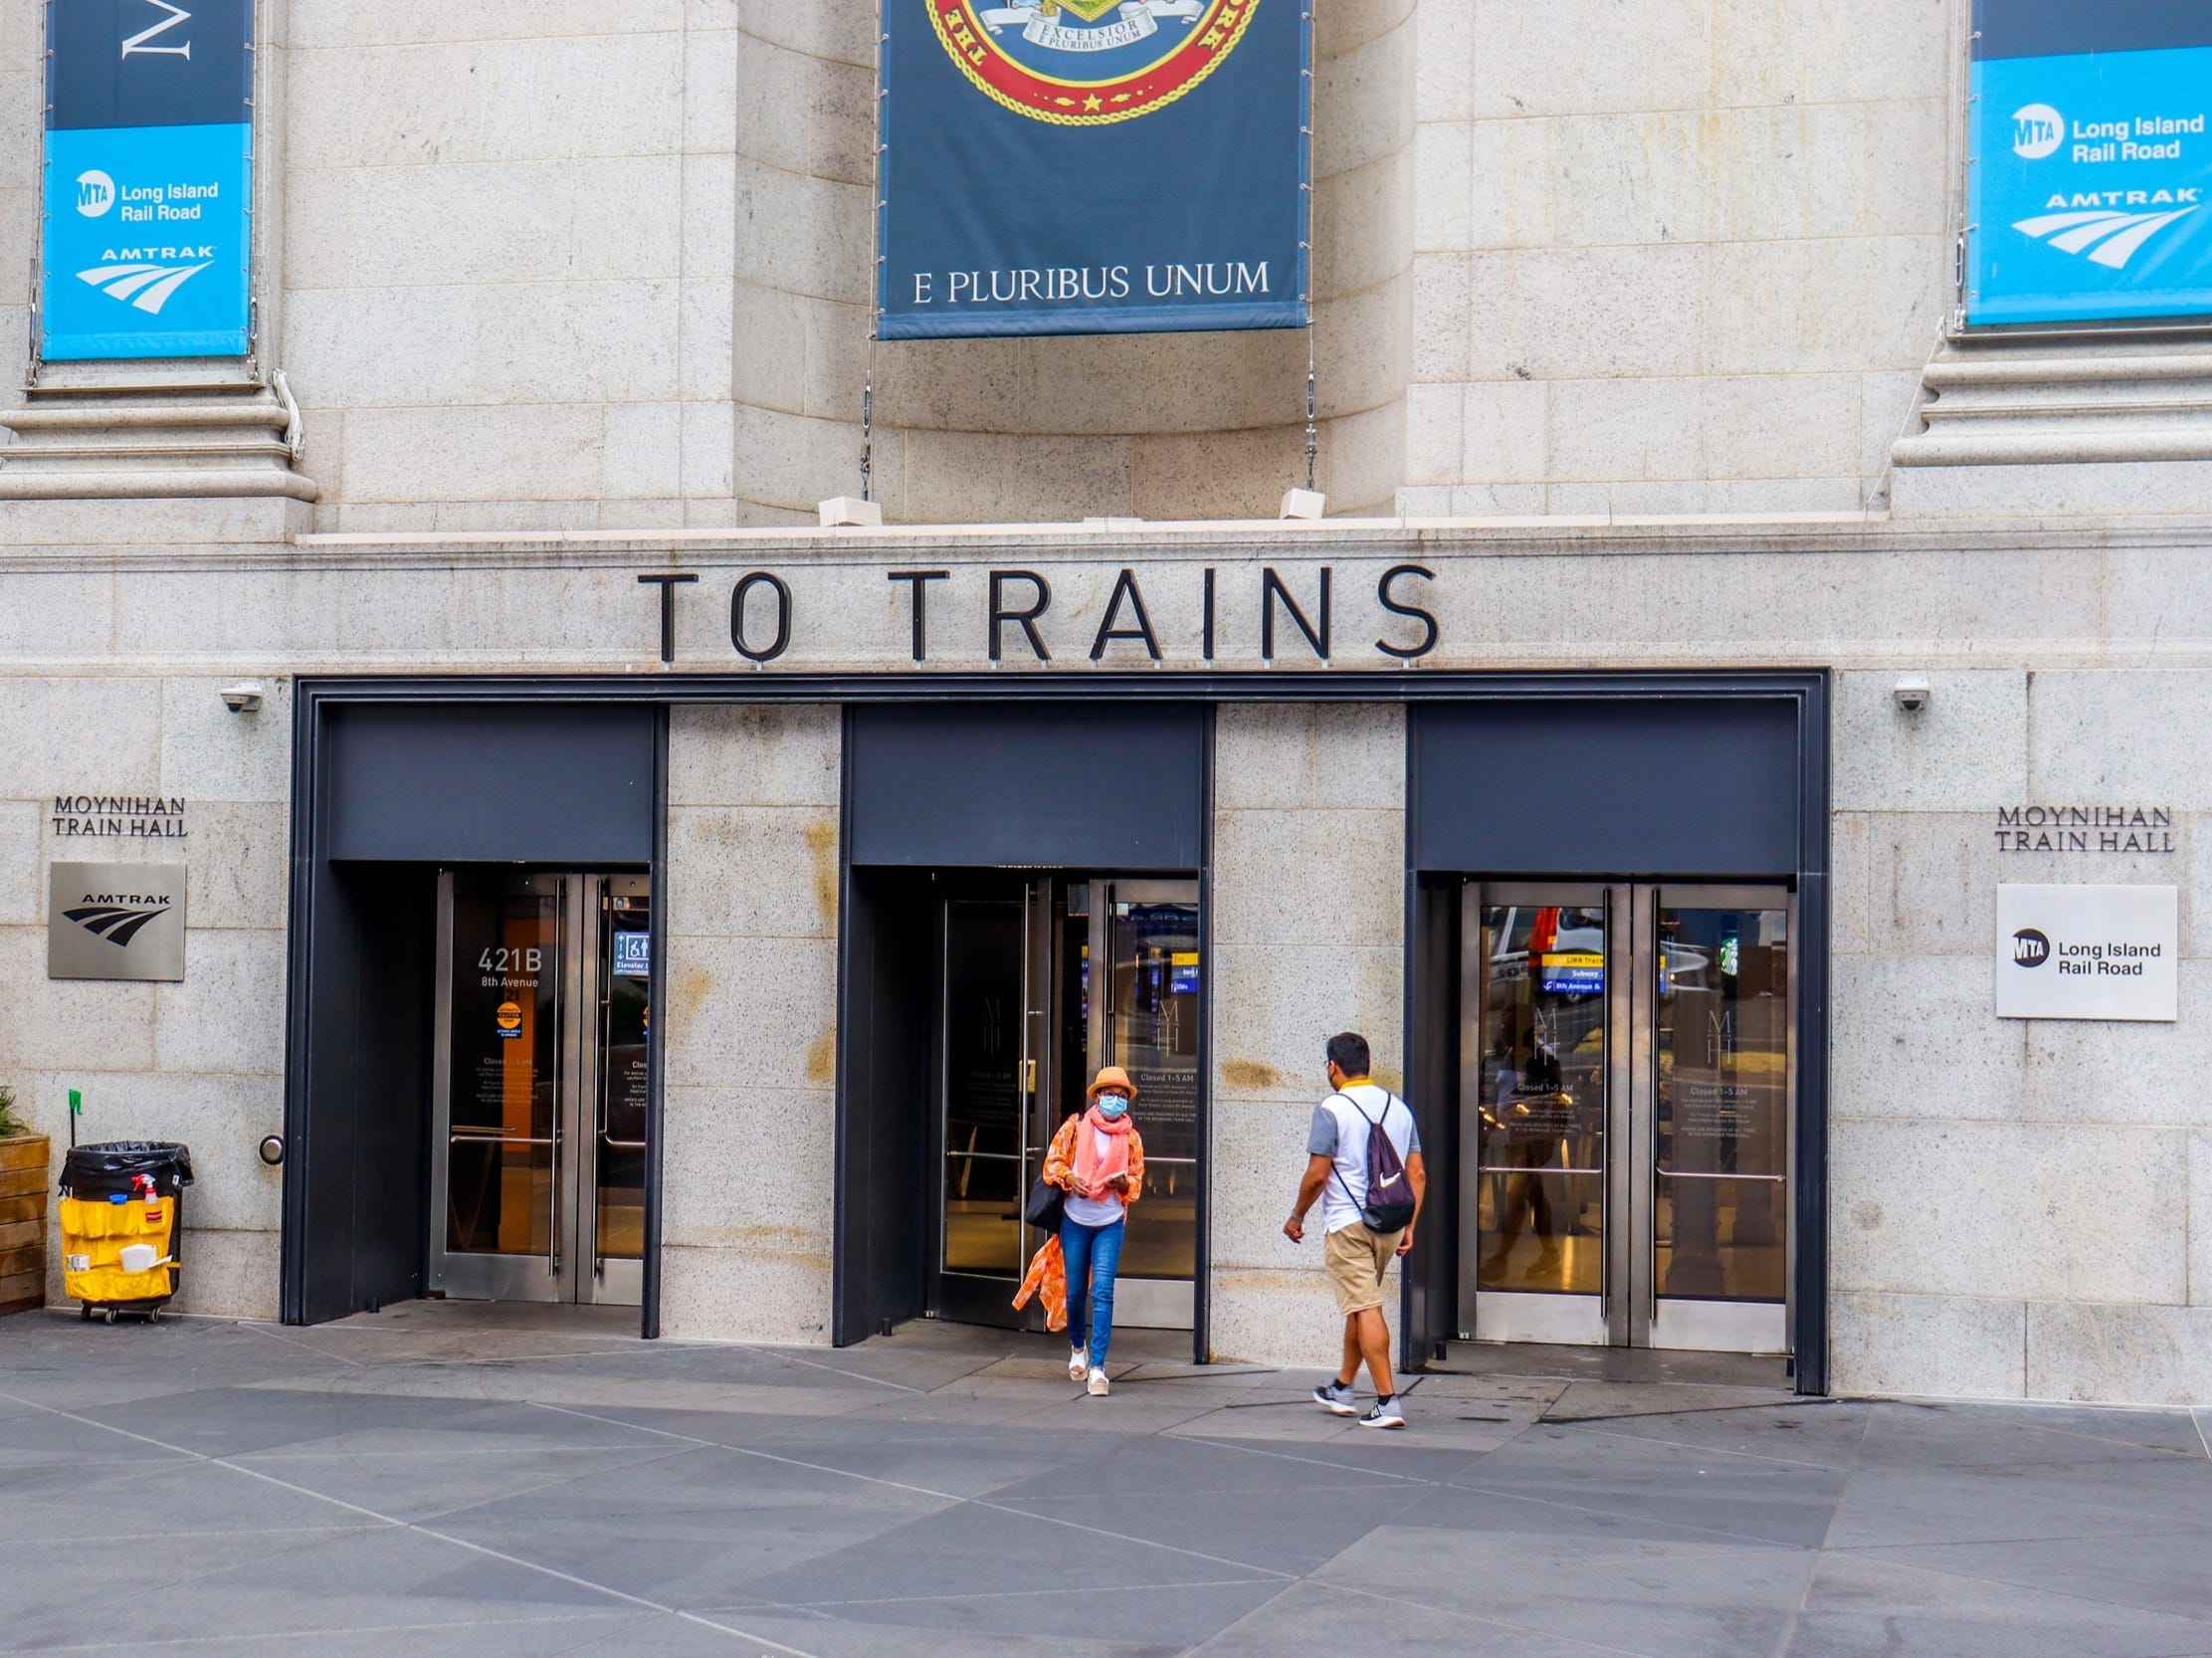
[{"x": 121, "y": 1224}]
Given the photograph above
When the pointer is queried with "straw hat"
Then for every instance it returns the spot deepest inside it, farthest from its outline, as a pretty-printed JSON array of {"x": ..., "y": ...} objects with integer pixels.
[{"x": 1113, "y": 1075}]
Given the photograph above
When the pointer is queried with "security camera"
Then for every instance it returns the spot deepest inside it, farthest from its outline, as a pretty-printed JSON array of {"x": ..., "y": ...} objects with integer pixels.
[
  {"x": 1912, "y": 694},
  {"x": 242, "y": 697}
]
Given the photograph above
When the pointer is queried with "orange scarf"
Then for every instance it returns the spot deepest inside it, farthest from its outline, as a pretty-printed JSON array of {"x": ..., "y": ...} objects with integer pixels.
[
  {"x": 1092, "y": 1172},
  {"x": 1048, "y": 1281}
]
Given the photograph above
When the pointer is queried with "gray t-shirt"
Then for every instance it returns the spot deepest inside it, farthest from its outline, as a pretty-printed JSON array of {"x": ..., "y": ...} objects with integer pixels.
[{"x": 1340, "y": 1132}]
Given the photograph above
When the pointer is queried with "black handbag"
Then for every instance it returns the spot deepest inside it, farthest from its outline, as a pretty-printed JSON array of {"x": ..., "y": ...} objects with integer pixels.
[{"x": 1046, "y": 1204}]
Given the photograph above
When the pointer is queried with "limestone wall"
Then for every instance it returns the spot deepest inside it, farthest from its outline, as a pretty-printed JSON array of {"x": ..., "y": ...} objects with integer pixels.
[
  {"x": 1675, "y": 257},
  {"x": 22, "y": 98},
  {"x": 2018, "y": 1207},
  {"x": 201, "y": 1061},
  {"x": 750, "y": 1106},
  {"x": 1308, "y": 915},
  {"x": 1061, "y": 428},
  {"x": 508, "y": 239}
]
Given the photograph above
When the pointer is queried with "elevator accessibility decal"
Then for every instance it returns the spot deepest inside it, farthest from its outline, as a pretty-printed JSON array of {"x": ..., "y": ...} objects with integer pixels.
[
  {"x": 148, "y": 175},
  {"x": 2090, "y": 161},
  {"x": 1092, "y": 167}
]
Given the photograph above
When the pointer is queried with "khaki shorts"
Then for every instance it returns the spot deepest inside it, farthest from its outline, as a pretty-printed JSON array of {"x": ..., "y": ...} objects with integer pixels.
[{"x": 1357, "y": 1259}]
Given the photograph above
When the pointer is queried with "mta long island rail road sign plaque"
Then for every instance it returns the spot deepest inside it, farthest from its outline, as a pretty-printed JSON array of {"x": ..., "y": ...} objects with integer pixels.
[{"x": 1092, "y": 167}]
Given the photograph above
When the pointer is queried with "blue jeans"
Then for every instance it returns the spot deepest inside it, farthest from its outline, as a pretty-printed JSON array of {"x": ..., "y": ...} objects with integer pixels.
[{"x": 1093, "y": 1255}]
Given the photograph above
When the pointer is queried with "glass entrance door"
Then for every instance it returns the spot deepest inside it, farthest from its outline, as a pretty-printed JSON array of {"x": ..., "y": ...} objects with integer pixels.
[
  {"x": 538, "y": 1176},
  {"x": 1046, "y": 980},
  {"x": 1144, "y": 1016},
  {"x": 1626, "y": 1090}
]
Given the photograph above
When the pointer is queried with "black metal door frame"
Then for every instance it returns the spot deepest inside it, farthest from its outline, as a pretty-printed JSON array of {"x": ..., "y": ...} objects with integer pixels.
[{"x": 1807, "y": 688}]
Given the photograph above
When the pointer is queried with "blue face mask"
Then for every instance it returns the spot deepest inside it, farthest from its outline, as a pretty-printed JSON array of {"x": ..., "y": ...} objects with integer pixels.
[{"x": 1112, "y": 1105}]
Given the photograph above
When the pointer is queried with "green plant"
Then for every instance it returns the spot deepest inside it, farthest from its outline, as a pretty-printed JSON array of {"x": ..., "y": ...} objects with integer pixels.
[{"x": 10, "y": 1123}]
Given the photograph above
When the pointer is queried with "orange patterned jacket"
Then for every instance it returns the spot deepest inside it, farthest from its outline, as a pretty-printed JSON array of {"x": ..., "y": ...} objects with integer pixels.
[
  {"x": 1047, "y": 1278},
  {"x": 1060, "y": 1159}
]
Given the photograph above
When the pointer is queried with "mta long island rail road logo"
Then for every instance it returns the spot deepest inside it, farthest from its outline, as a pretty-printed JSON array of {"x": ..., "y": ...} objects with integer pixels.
[
  {"x": 1083, "y": 62},
  {"x": 139, "y": 277},
  {"x": 117, "y": 918}
]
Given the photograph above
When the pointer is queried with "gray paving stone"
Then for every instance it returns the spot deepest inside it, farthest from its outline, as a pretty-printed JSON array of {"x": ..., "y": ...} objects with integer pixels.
[
  {"x": 2169, "y": 1573},
  {"x": 388, "y": 1577},
  {"x": 1962, "y": 1436},
  {"x": 1691, "y": 1492},
  {"x": 1150, "y": 1617},
  {"x": 1641, "y": 1597},
  {"x": 1861, "y": 1605},
  {"x": 1993, "y": 1504},
  {"x": 416, "y": 1483},
  {"x": 1322, "y": 1620}
]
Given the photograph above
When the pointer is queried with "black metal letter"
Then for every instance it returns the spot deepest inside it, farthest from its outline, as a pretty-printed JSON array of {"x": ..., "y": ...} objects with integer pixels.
[
  {"x": 1206, "y": 646},
  {"x": 1428, "y": 621},
  {"x": 1026, "y": 618},
  {"x": 921, "y": 590},
  {"x": 737, "y": 616},
  {"x": 1271, "y": 589},
  {"x": 1125, "y": 583},
  {"x": 667, "y": 585}
]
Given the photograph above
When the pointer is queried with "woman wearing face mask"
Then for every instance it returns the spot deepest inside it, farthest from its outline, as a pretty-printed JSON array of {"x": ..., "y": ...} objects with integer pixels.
[{"x": 1098, "y": 1158}]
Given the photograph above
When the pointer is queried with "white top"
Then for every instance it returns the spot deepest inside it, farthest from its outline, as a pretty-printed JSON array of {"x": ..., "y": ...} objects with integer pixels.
[
  {"x": 1098, "y": 1211},
  {"x": 1340, "y": 1132}
]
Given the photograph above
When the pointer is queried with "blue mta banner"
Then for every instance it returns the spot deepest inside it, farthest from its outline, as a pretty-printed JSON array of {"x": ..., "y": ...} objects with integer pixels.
[
  {"x": 148, "y": 178},
  {"x": 2090, "y": 161},
  {"x": 1092, "y": 167}
]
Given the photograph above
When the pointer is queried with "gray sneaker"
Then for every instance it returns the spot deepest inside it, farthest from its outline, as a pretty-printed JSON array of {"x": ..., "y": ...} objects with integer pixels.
[
  {"x": 1337, "y": 1400},
  {"x": 1385, "y": 1414}
]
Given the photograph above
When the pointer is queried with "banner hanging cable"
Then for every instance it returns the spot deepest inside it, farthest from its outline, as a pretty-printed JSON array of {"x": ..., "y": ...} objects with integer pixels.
[
  {"x": 1305, "y": 247},
  {"x": 868, "y": 380},
  {"x": 1092, "y": 167},
  {"x": 1312, "y": 441}
]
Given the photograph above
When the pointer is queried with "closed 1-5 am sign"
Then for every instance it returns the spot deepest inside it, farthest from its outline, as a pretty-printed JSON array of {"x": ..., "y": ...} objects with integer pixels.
[{"x": 2088, "y": 953}]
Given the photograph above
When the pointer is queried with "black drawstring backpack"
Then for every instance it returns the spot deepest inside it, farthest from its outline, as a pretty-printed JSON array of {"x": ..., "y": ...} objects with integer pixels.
[{"x": 1390, "y": 1203}]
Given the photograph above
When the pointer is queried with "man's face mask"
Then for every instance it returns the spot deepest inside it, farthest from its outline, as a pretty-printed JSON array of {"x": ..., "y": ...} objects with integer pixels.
[{"x": 1112, "y": 1104}]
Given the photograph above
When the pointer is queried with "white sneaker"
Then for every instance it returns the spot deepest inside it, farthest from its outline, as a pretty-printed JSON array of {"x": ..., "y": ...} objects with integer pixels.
[
  {"x": 1100, "y": 1386},
  {"x": 1078, "y": 1363}
]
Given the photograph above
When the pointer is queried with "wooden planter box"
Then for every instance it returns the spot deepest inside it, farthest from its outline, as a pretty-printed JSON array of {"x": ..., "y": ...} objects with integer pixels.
[{"x": 23, "y": 1196}]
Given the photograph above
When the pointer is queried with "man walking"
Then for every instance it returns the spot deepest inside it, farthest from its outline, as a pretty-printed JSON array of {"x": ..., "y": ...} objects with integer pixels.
[{"x": 1363, "y": 1161}]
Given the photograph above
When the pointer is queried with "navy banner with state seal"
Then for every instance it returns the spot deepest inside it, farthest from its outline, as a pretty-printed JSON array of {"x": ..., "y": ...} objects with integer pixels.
[
  {"x": 1092, "y": 167},
  {"x": 147, "y": 216},
  {"x": 2090, "y": 161}
]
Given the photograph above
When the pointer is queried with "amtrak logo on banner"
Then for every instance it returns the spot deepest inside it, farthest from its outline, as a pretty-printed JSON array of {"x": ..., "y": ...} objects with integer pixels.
[
  {"x": 1092, "y": 167},
  {"x": 2090, "y": 163},
  {"x": 1089, "y": 60}
]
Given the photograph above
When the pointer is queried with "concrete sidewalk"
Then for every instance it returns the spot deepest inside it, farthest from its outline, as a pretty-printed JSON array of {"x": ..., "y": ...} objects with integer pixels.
[{"x": 445, "y": 1480}]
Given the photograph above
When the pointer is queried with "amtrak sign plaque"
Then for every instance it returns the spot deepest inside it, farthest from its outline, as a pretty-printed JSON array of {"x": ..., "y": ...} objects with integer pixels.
[{"x": 115, "y": 921}]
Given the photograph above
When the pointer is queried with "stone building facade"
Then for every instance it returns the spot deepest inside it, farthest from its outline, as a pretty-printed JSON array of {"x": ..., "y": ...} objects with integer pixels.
[{"x": 1646, "y": 361}]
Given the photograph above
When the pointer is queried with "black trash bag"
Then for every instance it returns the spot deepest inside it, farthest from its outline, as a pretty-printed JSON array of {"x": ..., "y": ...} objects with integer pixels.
[{"x": 101, "y": 1171}]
